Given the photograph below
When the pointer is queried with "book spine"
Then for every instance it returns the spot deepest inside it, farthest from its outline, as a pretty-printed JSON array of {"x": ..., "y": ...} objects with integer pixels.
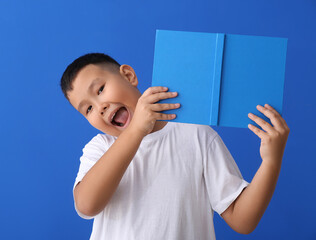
[{"x": 219, "y": 50}]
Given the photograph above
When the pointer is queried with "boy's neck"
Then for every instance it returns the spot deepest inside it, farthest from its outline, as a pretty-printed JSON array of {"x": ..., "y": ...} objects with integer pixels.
[{"x": 159, "y": 125}]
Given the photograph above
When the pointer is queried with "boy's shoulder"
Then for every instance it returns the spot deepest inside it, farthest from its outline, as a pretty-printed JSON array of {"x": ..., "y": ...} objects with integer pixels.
[
  {"x": 100, "y": 141},
  {"x": 202, "y": 132}
]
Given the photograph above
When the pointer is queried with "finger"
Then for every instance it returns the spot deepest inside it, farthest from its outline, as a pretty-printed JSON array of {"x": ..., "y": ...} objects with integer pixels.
[
  {"x": 159, "y": 96},
  {"x": 261, "y": 134},
  {"x": 153, "y": 90},
  {"x": 263, "y": 124},
  {"x": 157, "y": 107},
  {"x": 163, "y": 116},
  {"x": 277, "y": 113},
  {"x": 273, "y": 116},
  {"x": 272, "y": 109}
]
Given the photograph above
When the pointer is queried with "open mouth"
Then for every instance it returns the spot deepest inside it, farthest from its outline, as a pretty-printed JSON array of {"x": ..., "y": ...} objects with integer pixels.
[{"x": 120, "y": 117}]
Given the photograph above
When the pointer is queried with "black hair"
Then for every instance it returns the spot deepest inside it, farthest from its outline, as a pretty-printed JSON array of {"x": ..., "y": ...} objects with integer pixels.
[{"x": 73, "y": 69}]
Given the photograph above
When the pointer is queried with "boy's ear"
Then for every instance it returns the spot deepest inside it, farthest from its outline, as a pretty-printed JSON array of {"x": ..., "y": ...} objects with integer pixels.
[{"x": 129, "y": 74}]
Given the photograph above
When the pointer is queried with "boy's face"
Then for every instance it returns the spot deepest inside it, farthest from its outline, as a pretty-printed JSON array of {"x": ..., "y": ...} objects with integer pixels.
[{"x": 106, "y": 99}]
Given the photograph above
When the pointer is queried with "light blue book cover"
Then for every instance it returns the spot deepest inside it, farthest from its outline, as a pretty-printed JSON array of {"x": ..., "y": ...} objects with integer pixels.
[{"x": 220, "y": 78}]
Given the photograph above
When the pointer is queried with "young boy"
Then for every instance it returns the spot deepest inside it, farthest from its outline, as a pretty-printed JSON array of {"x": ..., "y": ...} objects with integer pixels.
[{"x": 147, "y": 179}]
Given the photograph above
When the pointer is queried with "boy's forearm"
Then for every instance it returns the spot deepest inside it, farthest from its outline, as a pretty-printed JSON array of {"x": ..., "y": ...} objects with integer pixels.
[
  {"x": 251, "y": 204},
  {"x": 245, "y": 212},
  {"x": 98, "y": 185}
]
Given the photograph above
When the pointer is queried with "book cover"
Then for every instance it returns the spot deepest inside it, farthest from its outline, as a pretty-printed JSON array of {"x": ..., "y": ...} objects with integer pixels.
[{"x": 219, "y": 77}]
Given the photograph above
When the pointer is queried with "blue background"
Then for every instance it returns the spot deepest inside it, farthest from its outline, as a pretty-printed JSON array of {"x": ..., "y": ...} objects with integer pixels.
[{"x": 42, "y": 135}]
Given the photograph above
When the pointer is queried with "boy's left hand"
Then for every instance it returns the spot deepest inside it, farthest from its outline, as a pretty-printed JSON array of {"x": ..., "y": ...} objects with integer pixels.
[{"x": 273, "y": 139}]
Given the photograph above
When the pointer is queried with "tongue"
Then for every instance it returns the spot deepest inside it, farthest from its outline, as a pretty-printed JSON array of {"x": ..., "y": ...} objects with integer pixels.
[{"x": 121, "y": 116}]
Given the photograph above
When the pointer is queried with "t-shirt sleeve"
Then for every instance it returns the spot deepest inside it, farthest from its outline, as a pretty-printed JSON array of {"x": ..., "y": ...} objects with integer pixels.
[
  {"x": 92, "y": 152},
  {"x": 223, "y": 179}
]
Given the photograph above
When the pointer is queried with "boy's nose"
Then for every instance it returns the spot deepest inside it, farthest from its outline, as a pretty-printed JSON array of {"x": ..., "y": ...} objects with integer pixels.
[{"x": 102, "y": 108}]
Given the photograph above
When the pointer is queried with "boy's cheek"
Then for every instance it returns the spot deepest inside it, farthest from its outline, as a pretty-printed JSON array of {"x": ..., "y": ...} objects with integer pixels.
[{"x": 95, "y": 124}]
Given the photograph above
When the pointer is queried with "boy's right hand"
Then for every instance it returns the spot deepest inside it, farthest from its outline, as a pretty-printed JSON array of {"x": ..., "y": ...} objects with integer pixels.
[{"x": 147, "y": 111}]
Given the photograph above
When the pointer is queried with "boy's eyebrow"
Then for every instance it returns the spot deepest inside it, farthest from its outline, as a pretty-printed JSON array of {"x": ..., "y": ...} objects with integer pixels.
[{"x": 94, "y": 82}]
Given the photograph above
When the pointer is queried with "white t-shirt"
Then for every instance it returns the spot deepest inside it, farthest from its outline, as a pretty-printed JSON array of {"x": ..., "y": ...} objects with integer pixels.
[{"x": 178, "y": 176}]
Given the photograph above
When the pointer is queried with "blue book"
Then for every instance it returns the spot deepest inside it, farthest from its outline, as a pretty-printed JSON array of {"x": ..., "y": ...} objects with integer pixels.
[{"x": 220, "y": 78}]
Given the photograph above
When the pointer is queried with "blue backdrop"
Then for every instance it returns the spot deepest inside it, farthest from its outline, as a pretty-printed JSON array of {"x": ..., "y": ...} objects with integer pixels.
[{"x": 42, "y": 135}]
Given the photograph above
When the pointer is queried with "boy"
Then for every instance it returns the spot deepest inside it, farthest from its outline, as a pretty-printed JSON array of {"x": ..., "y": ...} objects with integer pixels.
[{"x": 149, "y": 179}]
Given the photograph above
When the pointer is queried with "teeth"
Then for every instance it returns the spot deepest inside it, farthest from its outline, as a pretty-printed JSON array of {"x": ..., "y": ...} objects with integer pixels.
[{"x": 113, "y": 116}]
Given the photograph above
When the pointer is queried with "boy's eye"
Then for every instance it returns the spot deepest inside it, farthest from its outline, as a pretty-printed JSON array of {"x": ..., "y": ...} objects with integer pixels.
[
  {"x": 100, "y": 90},
  {"x": 89, "y": 109}
]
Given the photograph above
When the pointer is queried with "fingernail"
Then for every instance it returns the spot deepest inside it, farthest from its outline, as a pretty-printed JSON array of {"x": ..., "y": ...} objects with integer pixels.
[{"x": 177, "y": 104}]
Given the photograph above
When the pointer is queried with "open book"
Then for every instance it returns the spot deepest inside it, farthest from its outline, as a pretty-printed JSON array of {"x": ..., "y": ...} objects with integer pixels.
[{"x": 220, "y": 78}]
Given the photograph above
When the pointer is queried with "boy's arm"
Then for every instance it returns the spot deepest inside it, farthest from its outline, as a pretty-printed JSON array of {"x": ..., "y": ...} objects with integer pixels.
[
  {"x": 245, "y": 212},
  {"x": 98, "y": 185}
]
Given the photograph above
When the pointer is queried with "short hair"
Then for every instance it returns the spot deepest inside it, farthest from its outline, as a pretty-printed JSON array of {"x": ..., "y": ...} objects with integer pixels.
[{"x": 74, "y": 68}]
